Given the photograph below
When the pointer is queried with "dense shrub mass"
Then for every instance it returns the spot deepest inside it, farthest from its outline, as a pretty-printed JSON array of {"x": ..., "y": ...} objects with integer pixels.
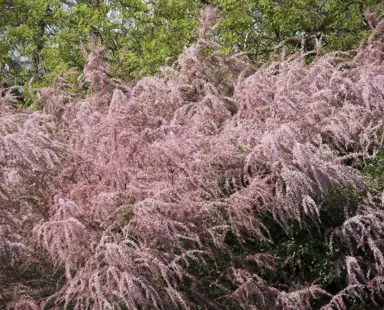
[{"x": 209, "y": 187}]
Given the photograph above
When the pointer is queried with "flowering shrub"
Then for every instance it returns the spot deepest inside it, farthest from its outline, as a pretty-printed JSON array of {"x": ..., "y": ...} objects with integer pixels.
[{"x": 210, "y": 187}]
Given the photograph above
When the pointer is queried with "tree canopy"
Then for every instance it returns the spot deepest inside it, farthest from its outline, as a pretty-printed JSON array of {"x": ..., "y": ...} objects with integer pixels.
[{"x": 43, "y": 38}]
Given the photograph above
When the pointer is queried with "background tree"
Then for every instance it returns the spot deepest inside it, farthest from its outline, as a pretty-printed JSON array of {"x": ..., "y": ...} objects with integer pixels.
[
  {"x": 258, "y": 27},
  {"x": 44, "y": 38}
]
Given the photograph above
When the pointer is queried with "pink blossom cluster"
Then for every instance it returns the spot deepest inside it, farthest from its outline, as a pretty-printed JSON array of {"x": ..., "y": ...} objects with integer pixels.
[{"x": 128, "y": 195}]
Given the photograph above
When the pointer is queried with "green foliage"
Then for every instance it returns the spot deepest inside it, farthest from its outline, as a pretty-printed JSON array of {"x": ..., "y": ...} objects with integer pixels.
[
  {"x": 128, "y": 213},
  {"x": 374, "y": 172},
  {"x": 242, "y": 148},
  {"x": 340, "y": 200},
  {"x": 257, "y": 27},
  {"x": 44, "y": 38},
  {"x": 301, "y": 251}
]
